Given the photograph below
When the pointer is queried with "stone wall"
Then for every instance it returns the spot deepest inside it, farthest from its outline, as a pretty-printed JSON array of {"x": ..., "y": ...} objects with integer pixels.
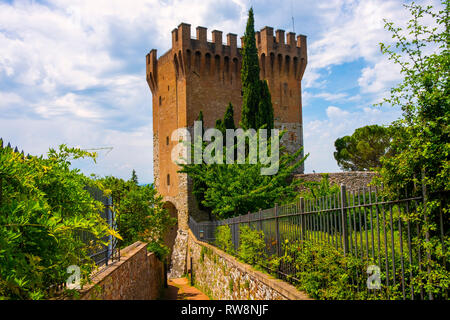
[
  {"x": 222, "y": 277},
  {"x": 139, "y": 275},
  {"x": 177, "y": 266},
  {"x": 352, "y": 179}
]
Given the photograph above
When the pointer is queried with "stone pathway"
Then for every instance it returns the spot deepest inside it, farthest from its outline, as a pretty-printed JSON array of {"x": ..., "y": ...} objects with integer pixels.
[{"x": 179, "y": 289}]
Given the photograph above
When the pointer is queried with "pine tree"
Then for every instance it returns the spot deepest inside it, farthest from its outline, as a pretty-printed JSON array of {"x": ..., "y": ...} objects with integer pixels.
[{"x": 250, "y": 76}]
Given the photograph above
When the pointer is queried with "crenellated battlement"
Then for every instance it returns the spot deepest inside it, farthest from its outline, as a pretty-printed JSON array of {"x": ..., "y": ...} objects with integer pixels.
[{"x": 281, "y": 55}]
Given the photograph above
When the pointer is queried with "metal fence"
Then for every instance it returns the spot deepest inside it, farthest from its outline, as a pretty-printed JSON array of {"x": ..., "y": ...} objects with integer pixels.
[
  {"x": 359, "y": 224},
  {"x": 100, "y": 254},
  {"x": 103, "y": 254}
]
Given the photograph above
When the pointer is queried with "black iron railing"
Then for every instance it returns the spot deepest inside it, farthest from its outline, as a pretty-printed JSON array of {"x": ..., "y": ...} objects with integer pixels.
[{"x": 359, "y": 224}]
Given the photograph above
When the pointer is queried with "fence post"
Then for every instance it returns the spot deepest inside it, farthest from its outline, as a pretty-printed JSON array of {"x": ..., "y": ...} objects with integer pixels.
[
  {"x": 427, "y": 234},
  {"x": 344, "y": 219},
  {"x": 260, "y": 219},
  {"x": 277, "y": 230},
  {"x": 302, "y": 217}
]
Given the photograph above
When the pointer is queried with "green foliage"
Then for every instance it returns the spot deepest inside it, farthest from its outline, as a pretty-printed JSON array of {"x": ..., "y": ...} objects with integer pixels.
[
  {"x": 134, "y": 177},
  {"x": 228, "y": 118},
  {"x": 202, "y": 254},
  {"x": 363, "y": 149},
  {"x": 44, "y": 207},
  {"x": 324, "y": 273},
  {"x": 319, "y": 189},
  {"x": 234, "y": 189},
  {"x": 224, "y": 239},
  {"x": 250, "y": 76},
  {"x": 231, "y": 285},
  {"x": 198, "y": 185},
  {"x": 421, "y": 137},
  {"x": 264, "y": 117},
  {"x": 159, "y": 249},
  {"x": 140, "y": 214},
  {"x": 251, "y": 245}
]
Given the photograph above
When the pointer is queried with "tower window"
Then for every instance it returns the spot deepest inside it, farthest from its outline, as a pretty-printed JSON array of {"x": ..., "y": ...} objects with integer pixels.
[
  {"x": 167, "y": 140},
  {"x": 168, "y": 88},
  {"x": 160, "y": 100},
  {"x": 168, "y": 179}
]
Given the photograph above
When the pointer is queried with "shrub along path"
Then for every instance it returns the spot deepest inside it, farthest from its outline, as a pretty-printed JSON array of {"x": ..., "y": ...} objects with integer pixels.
[{"x": 179, "y": 289}]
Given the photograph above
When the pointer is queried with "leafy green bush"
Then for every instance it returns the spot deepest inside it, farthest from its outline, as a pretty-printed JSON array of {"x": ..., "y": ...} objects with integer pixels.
[
  {"x": 420, "y": 145},
  {"x": 140, "y": 214},
  {"x": 323, "y": 272},
  {"x": 44, "y": 206},
  {"x": 316, "y": 190},
  {"x": 251, "y": 246},
  {"x": 223, "y": 239}
]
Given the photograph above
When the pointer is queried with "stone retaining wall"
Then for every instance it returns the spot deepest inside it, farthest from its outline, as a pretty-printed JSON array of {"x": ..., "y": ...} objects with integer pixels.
[
  {"x": 352, "y": 179},
  {"x": 222, "y": 277},
  {"x": 139, "y": 275}
]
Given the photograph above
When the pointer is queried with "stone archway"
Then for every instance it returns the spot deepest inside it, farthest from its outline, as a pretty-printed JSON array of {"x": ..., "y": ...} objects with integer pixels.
[{"x": 171, "y": 234}]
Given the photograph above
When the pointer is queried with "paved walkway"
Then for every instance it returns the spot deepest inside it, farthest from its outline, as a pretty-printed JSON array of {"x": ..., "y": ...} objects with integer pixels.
[{"x": 179, "y": 289}]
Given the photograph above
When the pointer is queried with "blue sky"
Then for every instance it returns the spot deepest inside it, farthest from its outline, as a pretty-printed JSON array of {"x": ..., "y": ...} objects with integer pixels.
[{"x": 73, "y": 72}]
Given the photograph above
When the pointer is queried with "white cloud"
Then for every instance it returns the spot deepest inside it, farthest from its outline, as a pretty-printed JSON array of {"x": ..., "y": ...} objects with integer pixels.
[
  {"x": 331, "y": 96},
  {"x": 375, "y": 79}
]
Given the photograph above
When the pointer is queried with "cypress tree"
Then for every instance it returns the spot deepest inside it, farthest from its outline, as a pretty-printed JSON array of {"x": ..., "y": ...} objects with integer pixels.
[
  {"x": 228, "y": 118},
  {"x": 250, "y": 76},
  {"x": 220, "y": 126},
  {"x": 265, "y": 108},
  {"x": 134, "y": 177},
  {"x": 200, "y": 118}
]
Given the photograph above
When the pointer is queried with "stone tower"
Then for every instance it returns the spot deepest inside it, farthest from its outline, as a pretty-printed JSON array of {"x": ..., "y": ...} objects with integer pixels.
[{"x": 197, "y": 75}]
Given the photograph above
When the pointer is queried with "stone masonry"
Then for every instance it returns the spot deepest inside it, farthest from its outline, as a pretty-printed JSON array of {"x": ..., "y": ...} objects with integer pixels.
[
  {"x": 222, "y": 277},
  {"x": 139, "y": 275},
  {"x": 351, "y": 179}
]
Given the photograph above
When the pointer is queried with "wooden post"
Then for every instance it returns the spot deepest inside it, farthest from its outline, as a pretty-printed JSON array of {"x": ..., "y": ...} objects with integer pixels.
[{"x": 344, "y": 219}]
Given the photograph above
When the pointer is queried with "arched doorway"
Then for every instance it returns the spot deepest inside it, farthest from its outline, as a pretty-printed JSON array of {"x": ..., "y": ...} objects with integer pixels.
[{"x": 171, "y": 234}]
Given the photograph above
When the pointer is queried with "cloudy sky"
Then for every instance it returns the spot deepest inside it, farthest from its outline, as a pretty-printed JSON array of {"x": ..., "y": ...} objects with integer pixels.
[{"x": 73, "y": 72}]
